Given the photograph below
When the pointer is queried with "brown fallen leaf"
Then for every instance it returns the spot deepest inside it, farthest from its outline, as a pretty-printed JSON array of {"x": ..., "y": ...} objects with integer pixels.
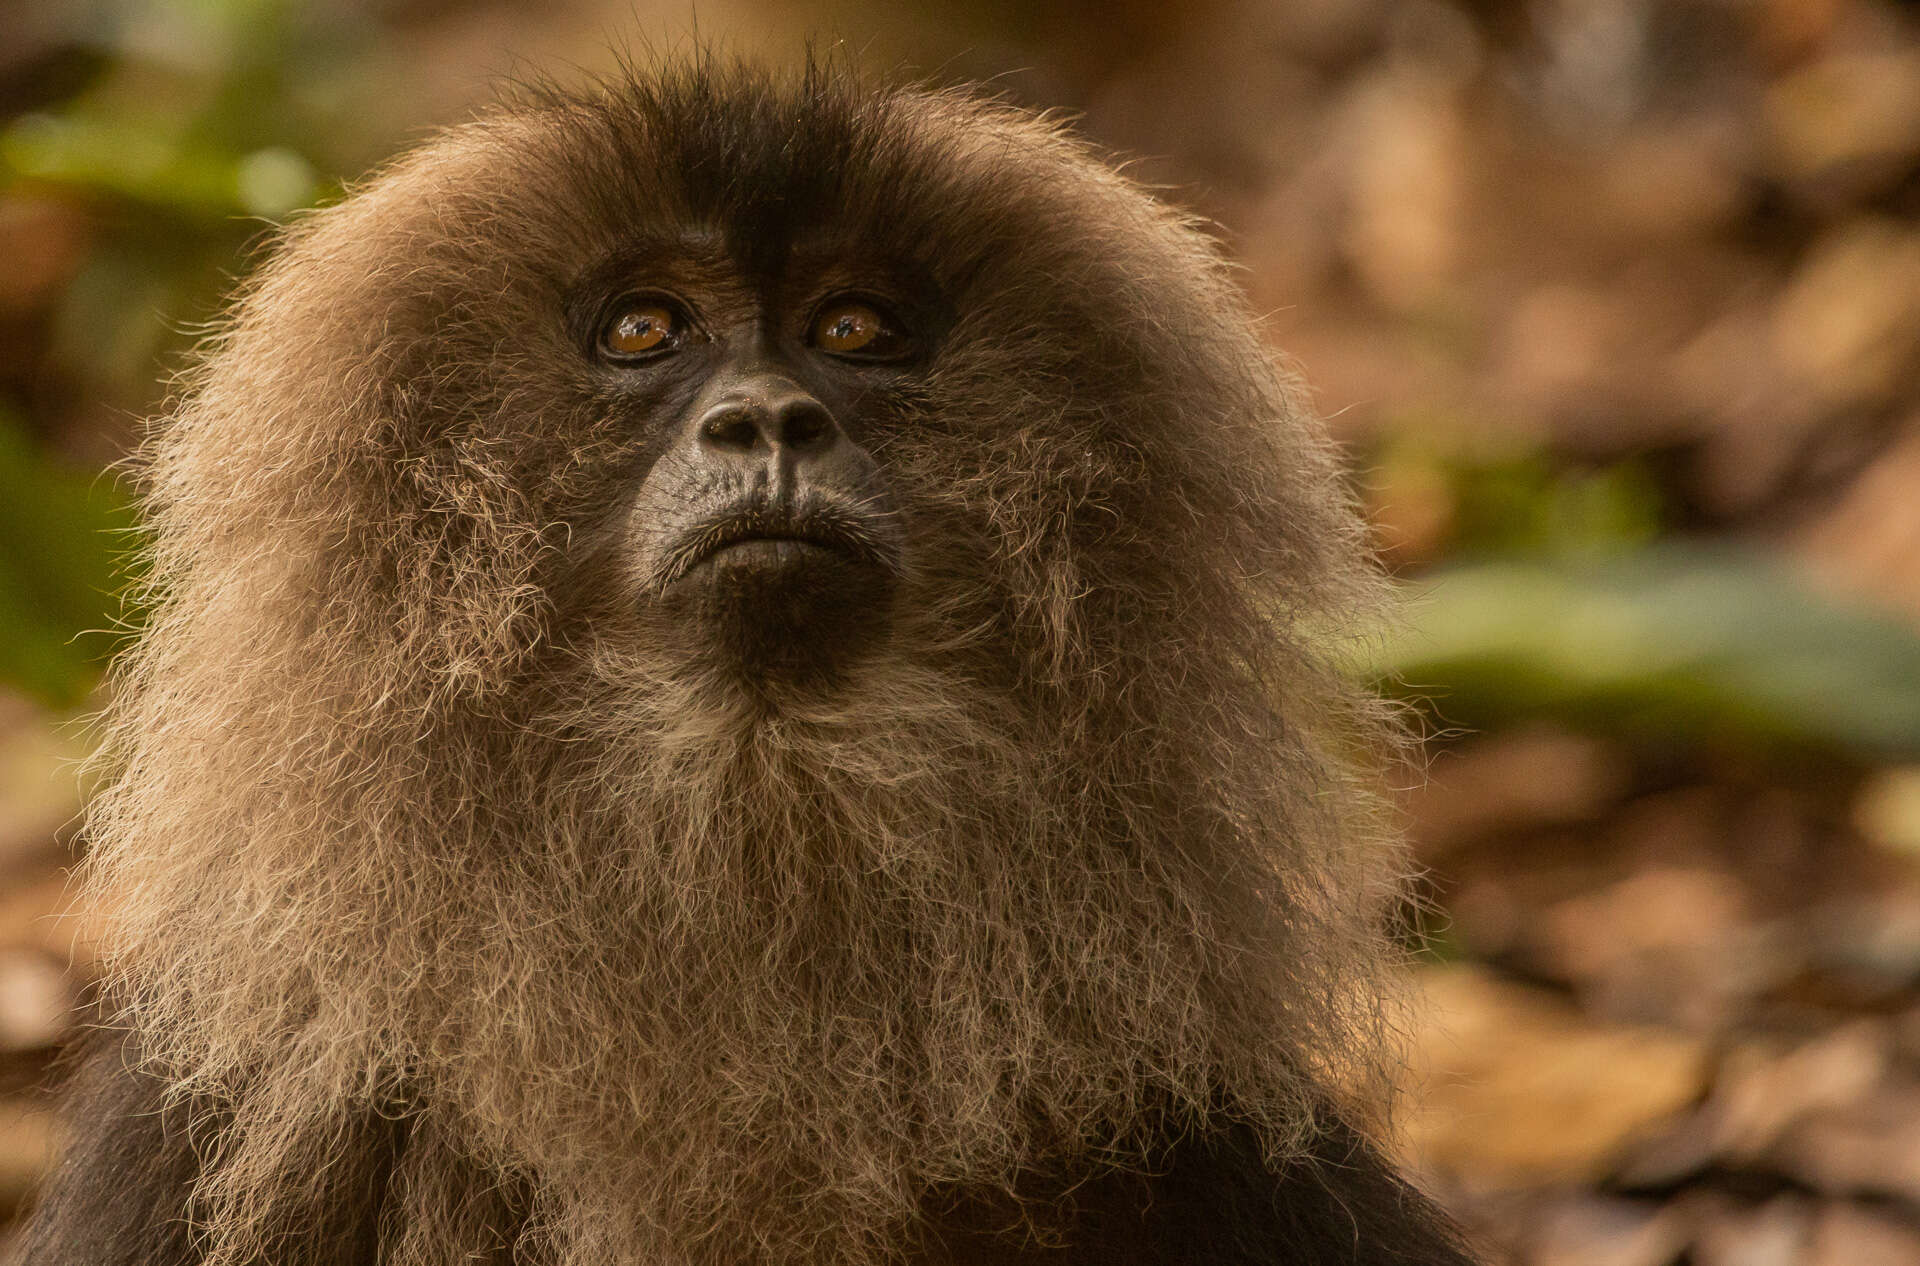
[{"x": 1515, "y": 1089}]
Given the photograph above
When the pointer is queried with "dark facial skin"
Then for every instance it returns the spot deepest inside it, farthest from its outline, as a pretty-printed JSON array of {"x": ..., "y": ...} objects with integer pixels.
[{"x": 761, "y": 540}]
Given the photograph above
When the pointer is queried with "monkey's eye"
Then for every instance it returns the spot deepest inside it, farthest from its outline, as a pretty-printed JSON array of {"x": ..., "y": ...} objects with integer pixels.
[
  {"x": 641, "y": 326},
  {"x": 856, "y": 329}
]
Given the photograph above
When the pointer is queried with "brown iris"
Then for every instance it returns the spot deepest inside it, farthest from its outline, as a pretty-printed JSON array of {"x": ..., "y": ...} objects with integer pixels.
[
  {"x": 639, "y": 327},
  {"x": 850, "y": 327}
]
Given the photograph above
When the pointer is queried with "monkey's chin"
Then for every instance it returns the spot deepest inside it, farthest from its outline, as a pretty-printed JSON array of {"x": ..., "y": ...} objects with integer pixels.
[{"x": 774, "y": 611}]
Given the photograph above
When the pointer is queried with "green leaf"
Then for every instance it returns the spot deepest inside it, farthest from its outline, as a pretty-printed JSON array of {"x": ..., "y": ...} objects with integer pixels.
[
  {"x": 137, "y": 161},
  {"x": 66, "y": 533},
  {"x": 1690, "y": 642}
]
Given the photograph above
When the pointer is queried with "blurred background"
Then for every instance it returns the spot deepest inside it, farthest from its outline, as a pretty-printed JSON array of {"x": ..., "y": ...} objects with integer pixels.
[{"x": 1615, "y": 305}]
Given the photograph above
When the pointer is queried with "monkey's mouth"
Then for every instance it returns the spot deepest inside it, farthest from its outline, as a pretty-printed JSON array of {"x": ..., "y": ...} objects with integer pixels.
[{"x": 773, "y": 539}]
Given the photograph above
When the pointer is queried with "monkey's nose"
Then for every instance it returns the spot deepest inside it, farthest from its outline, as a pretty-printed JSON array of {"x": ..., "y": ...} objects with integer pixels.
[{"x": 777, "y": 417}]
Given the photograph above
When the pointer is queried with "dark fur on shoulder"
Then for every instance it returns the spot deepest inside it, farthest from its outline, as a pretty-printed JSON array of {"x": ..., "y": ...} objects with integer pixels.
[{"x": 451, "y": 906}]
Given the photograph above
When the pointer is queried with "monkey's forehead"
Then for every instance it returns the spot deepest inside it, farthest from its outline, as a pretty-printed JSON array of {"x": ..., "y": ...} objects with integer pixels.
[
  {"x": 965, "y": 187},
  {"x": 446, "y": 290}
]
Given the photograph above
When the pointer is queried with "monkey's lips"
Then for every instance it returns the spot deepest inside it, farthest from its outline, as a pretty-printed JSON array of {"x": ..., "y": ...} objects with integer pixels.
[
  {"x": 777, "y": 596},
  {"x": 765, "y": 551},
  {"x": 760, "y": 541}
]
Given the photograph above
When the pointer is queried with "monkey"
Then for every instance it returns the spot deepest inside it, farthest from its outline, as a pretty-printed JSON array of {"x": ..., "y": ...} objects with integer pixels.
[{"x": 744, "y": 668}]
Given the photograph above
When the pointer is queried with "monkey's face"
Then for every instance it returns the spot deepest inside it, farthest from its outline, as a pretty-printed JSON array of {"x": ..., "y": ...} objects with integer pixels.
[{"x": 755, "y": 532}]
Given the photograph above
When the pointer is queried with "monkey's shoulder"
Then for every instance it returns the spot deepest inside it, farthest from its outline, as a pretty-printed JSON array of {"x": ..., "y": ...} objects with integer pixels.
[
  {"x": 1209, "y": 1198},
  {"x": 134, "y": 1157}
]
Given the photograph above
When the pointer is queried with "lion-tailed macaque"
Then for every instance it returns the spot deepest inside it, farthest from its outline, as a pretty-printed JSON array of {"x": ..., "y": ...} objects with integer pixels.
[{"x": 746, "y": 671}]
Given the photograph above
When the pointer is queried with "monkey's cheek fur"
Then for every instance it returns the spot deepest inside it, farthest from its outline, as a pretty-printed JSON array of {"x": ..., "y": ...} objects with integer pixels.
[{"x": 779, "y": 609}]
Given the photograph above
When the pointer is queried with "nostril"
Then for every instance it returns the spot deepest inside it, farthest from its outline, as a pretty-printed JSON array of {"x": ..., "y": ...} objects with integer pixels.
[
  {"x": 731, "y": 428},
  {"x": 805, "y": 426}
]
